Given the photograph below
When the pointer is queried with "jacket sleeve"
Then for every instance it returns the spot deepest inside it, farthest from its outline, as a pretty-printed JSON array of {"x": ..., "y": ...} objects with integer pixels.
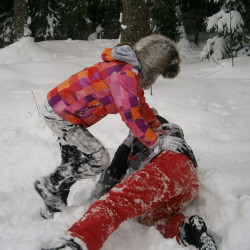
[
  {"x": 146, "y": 112},
  {"x": 124, "y": 89}
]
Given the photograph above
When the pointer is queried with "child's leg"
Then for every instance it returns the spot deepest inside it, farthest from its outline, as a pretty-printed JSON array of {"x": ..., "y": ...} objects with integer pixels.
[
  {"x": 86, "y": 147},
  {"x": 167, "y": 217},
  {"x": 83, "y": 156},
  {"x": 170, "y": 227},
  {"x": 161, "y": 180},
  {"x": 90, "y": 159},
  {"x": 78, "y": 145},
  {"x": 69, "y": 153}
]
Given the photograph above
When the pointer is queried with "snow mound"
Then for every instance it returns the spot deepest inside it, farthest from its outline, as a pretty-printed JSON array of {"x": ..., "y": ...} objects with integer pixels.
[
  {"x": 209, "y": 101},
  {"x": 25, "y": 50},
  {"x": 188, "y": 51}
]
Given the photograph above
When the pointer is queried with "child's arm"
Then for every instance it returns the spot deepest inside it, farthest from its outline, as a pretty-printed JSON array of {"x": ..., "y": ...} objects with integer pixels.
[
  {"x": 146, "y": 112},
  {"x": 124, "y": 88}
]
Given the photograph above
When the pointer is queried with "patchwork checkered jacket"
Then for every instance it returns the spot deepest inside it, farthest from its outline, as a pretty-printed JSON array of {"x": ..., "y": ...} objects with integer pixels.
[{"x": 108, "y": 87}]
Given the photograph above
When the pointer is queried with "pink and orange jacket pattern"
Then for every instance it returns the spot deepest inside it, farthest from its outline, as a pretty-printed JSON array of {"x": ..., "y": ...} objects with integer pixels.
[{"x": 108, "y": 87}]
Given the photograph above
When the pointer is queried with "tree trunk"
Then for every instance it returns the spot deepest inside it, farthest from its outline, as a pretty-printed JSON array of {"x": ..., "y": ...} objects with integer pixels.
[
  {"x": 135, "y": 20},
  {"x": 21, "y": 13},
  {"x": 231, "y": 38},
  {"x": 196, "y": 37}
]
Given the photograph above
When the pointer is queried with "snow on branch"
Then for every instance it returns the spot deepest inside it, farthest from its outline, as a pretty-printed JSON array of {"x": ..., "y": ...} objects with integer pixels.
[
  {"x": 225, "y": 20},
  {"x": 230, "y": 39}
]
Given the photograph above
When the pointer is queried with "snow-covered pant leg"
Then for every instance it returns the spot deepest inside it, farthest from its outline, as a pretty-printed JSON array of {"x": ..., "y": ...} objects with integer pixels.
[
  {"x": 164, "y": 178},
  {"x": 83, "y": 156},
  {"x": 167, "y": 217},
  {"x": 61, "y": 186}
]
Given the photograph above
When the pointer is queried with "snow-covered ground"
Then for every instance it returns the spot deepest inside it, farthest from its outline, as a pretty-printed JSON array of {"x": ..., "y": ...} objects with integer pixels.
[{"x": 209, "y": 101}]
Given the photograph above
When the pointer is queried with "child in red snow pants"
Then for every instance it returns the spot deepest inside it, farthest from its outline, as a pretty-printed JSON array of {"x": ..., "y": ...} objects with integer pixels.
[{"x": 157, "y": 194}]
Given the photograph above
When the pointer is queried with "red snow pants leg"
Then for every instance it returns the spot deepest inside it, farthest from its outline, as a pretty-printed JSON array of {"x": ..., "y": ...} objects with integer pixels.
[
  {"x": 168, "y": 176},
  {"x": 166, "y": 217}
]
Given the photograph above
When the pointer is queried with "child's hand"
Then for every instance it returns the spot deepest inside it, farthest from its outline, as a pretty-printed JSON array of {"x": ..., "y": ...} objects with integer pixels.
[
  {"x": 160, "y": 131},
  {"x": 170, "y": 143}
]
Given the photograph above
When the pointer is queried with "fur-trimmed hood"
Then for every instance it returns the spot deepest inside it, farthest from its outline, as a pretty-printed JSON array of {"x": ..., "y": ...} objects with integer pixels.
[
  {"x": 154, "y": 55},
  {"x": 158, "y": 55}
]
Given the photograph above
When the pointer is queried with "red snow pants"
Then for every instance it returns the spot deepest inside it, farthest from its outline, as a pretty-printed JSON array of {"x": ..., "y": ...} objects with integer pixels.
[{"x": 157, "y": 193}]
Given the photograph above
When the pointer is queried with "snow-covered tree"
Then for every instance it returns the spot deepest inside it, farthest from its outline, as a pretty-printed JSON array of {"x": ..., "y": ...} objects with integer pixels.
[
  {"x": 104, "y": 16},
  {"x": 74, "y": 21},
  {"x": 45, "y": 19},
  {"x": 6, "y": 22},
  {"x": 230, "y": 37},
  {"x": 193, "y": 14}
]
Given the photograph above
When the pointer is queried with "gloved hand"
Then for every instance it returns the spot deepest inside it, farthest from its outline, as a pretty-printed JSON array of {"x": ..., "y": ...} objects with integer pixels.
[
  {"x": 173, "y": 129},
  {"x": 160, "y": 131},
  {"x": 171, "y": 143}
]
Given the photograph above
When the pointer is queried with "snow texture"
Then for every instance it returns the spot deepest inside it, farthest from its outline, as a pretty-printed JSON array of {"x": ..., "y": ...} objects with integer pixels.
[
  {"x": 224, "y": 20},
  {"x": 215, "y": 47},
  {"x": 209, "y": 101}
]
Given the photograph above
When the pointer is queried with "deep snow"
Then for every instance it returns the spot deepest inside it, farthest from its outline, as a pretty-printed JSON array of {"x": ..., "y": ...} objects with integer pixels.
[{"x": 209, "y": 101}]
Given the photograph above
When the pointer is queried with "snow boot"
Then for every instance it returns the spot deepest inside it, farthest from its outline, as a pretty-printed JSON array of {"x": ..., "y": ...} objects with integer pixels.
[
  {"x": 193, "y": 232},
  {"x": 68, "y": 243},
  {"x": 54, "y": 200}
]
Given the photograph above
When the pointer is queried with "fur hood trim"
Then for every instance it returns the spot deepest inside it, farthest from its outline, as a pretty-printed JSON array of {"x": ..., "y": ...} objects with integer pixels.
[{"x": 158, "y": 55}]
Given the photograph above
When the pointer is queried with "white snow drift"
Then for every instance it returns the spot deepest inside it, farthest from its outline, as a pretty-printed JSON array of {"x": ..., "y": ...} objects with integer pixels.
[{"x": 209, "y": 101}]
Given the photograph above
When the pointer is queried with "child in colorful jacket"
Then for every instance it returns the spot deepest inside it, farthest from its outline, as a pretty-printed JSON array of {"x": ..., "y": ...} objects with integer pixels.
[
  {"x": 109, "y": 87},
  {"x": 161, "y": 185}
]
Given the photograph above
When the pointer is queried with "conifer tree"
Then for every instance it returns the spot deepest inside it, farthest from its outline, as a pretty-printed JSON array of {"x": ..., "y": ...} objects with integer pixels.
[
  {"x": 166, "y": 18},
  {"x": 45, "y": 19},
  {"x": 193, "y": 14},
  {"x": 111, "y": 23},
  {"x": 6, "y": 22},
  {"x": 231, "y": 38},
  {"x": 95, "y": 16},
  {"x": 73, "y": 19}
]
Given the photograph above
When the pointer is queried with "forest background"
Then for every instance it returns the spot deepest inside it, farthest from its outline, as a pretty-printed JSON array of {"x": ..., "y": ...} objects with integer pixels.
[
  {"x": 129, "y": 20},
  {"x": 43, "y": 43}
]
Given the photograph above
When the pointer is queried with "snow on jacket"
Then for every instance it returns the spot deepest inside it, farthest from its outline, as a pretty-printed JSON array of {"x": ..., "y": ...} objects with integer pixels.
[{"x": 108, "y": 87}]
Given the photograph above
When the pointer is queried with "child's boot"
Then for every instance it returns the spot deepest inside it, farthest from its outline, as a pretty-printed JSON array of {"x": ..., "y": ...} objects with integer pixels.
[
  {"x": 53, "y": 199},
  {"x": 193, "y": 232}
]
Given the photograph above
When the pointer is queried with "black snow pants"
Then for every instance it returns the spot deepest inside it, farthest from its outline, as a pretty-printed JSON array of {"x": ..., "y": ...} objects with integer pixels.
[{"x": 83, "y": 156}]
